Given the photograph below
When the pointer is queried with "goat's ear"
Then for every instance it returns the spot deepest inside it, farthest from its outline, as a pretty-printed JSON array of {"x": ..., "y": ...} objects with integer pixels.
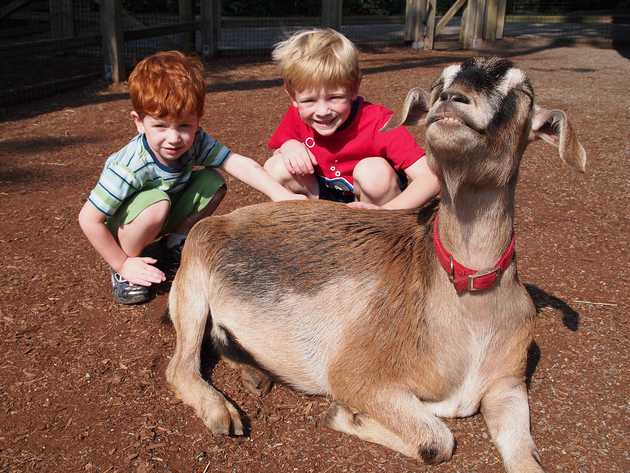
[
  {"x": 554, "y": 127},
  {"x": 414, "y": 109}
]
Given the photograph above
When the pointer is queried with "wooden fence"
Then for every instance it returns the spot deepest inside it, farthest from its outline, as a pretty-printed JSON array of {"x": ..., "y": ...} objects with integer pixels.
[
  {"x": 76, "y": 41},
  {"x": 483, "y": 20}
]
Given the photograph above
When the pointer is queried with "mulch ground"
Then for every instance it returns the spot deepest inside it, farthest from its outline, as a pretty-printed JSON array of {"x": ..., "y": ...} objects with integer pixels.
[{"x": 82, "y": 383}]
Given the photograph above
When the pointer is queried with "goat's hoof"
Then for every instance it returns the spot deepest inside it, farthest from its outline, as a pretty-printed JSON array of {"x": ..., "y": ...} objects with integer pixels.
[
  {"x": 255, "y": 381},
  {"x": 327, "y": 417},
  {"x": 331, "y": 417},
  {"x": 223, "y": 419},
  {"x": 437, "y": 452},
  {"x": 529, "y": 462}
]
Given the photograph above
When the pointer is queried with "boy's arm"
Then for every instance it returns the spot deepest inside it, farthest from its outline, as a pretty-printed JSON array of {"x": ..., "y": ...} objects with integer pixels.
[
  {"x": 297, "y": 158},
  {"x": 137, "y": 270},
  {"x": 423, "y": 185},
  {"x": 253, "y": 174}
]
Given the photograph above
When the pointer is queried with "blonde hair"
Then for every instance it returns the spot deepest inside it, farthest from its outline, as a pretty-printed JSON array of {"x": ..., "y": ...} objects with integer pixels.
[
  {"x": 317, "y": 58},
  {"x": 168, "y": 83}
]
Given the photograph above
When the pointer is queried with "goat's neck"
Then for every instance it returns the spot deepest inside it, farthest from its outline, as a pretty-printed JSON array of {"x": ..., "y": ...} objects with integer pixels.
[{"x": 476, "y": 224}]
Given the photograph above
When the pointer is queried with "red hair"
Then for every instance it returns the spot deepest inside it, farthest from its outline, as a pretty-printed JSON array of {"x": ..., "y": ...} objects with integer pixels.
[{"x": 168, "y": 84}]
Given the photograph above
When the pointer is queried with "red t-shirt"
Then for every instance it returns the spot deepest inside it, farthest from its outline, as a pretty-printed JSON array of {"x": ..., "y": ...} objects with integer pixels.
[{"x": 358, "y": 138}]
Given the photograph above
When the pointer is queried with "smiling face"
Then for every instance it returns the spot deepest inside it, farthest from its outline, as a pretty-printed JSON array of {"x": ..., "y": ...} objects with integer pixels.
[
  {"x": 324, "y": 109},
  {"x": 169, "y": 138}
]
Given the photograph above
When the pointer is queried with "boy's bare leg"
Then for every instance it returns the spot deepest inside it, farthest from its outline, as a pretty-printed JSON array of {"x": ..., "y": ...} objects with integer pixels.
[
  {"x": 208, "y": 210},
  {"x": 133, "y": 237},
  {"x": 375, "y": 181},
  {"x": 306, "y": 185}
]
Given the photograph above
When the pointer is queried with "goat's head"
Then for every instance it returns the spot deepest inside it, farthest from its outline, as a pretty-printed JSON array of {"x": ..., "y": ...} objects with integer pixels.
[{"x": 480, "y": 116}]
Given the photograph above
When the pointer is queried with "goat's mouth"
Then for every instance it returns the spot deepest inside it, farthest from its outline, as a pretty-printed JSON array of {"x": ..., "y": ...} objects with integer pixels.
[{"x": 451, "y": 120}]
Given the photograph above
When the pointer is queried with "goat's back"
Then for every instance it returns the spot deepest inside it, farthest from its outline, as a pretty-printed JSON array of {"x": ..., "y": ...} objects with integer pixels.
[{"x": 272, "y": 248}]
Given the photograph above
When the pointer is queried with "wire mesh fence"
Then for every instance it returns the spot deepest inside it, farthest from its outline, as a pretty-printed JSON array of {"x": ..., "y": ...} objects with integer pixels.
[{"x": 51, "y": 45}]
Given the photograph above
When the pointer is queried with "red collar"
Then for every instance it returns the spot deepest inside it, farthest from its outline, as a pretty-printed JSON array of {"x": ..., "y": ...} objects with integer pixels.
[{"x": 466, "y": 279}]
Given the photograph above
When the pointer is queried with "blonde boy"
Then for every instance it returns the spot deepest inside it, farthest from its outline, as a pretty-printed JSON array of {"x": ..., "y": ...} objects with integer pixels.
[
  {"x": 328, "y": 144},
  {"x": 152, "y": 185}
]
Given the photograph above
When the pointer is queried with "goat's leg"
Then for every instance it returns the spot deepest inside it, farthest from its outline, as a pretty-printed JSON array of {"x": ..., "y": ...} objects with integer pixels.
[
  {"x": 506, "y": 411},
  {"x": 189, "y": 313},
  {"x": 342, "y": 419},
  {"x": 398, "y": 420}
]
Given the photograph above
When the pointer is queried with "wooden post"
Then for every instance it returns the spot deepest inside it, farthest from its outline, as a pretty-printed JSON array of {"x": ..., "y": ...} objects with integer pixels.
[
  {"x": 474, "y": 22},
  {"x": 414, "y": 22},
  {"x": 429, "y": 38},
  {"x": 490, "y": 21},
  {"x": 186, "y": 15},
  {"x": 501, "y": 9},
  {"x": 111, "y": 30},
  {"x": 409, "y": 20},
  {"x": 480, "y": 22},
  {"x": 332, "y": 11},
  {"x": 210, "y": 27}
]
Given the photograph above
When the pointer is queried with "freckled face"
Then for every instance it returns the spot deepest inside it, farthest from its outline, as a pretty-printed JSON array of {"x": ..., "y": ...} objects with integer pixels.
[
  {"x": 325, "y": 109},
  {"x": 168, "y": 138}
]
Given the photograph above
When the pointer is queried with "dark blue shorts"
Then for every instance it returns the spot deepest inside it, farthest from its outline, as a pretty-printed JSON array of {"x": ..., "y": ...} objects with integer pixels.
[{"x": 340, "y": 190}]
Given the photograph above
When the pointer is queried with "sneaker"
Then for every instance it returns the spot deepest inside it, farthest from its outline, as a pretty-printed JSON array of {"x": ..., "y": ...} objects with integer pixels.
[
  {"x": 173, "y": 258},
  {"x": 128, "y": 293}
]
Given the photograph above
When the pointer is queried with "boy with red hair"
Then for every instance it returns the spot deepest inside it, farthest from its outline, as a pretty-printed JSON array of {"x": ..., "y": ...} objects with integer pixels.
[{"x": 152, "y": 185}]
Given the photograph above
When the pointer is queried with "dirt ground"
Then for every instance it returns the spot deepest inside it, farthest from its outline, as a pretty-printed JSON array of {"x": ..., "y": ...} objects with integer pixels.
[{"x": 82, "y": 384}]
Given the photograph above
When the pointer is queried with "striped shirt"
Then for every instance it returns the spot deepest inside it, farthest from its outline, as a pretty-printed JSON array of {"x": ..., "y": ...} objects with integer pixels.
[{"x": 135, "y": 168}]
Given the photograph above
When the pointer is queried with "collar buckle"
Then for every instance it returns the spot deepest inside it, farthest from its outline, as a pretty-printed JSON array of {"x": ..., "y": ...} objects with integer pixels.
[{"x": 495, "y": 272}]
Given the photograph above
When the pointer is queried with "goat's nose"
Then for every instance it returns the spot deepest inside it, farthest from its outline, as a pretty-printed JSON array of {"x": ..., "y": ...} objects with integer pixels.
[{"x": 451, "y": 96}]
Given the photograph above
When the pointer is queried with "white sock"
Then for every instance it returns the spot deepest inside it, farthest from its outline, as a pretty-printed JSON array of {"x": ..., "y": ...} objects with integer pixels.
[{"x": 174, "y": 239}]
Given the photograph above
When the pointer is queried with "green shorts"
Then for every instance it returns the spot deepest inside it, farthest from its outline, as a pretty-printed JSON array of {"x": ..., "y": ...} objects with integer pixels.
[{"x": 193, "y": 199}]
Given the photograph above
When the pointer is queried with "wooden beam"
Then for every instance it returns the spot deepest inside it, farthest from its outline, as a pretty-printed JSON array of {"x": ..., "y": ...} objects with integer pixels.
[
  {"x": 49, "y": 45},
  {"x": 501, "y": 10},
  {"x": 490, "y": 21},
  {"x": 448, "y": 16},
  {"x": 414, "y": 22},
  {"x": 473, "y": 30},
  {"x": 429, "y": 37},
  {"x": 111, "y": 31},
  {"x": 408, "y": 19},
  {"x": 467, "y": 31},
  {"x": 13, "y": 6},
  {"x": 210, "y": 27}
]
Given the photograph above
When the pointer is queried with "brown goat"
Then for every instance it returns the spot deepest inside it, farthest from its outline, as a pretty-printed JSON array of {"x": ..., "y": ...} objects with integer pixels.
[{"x": 369, "y": 307}]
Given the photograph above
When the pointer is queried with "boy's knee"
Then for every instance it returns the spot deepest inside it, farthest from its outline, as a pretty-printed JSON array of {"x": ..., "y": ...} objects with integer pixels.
[
  {"x": 275, "y": 167},
  {"x": 156, "y": 214},
  {"x": 375, "y": 177}
]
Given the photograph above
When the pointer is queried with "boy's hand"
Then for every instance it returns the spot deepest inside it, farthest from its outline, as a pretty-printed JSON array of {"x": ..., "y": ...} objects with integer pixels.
[
  {"x": 140, "y": 270},
  {"x": 363, "y": 206},
  {"x": 297, "y": 158},
  {"x": 293, "y": 196}
]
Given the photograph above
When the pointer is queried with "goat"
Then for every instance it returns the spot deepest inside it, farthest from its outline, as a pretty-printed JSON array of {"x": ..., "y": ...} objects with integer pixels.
[{"x": 379, "y": 309}]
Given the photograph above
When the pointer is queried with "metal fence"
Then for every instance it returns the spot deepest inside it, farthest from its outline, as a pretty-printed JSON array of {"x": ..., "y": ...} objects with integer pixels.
[{"x": 48, "y": 46}]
